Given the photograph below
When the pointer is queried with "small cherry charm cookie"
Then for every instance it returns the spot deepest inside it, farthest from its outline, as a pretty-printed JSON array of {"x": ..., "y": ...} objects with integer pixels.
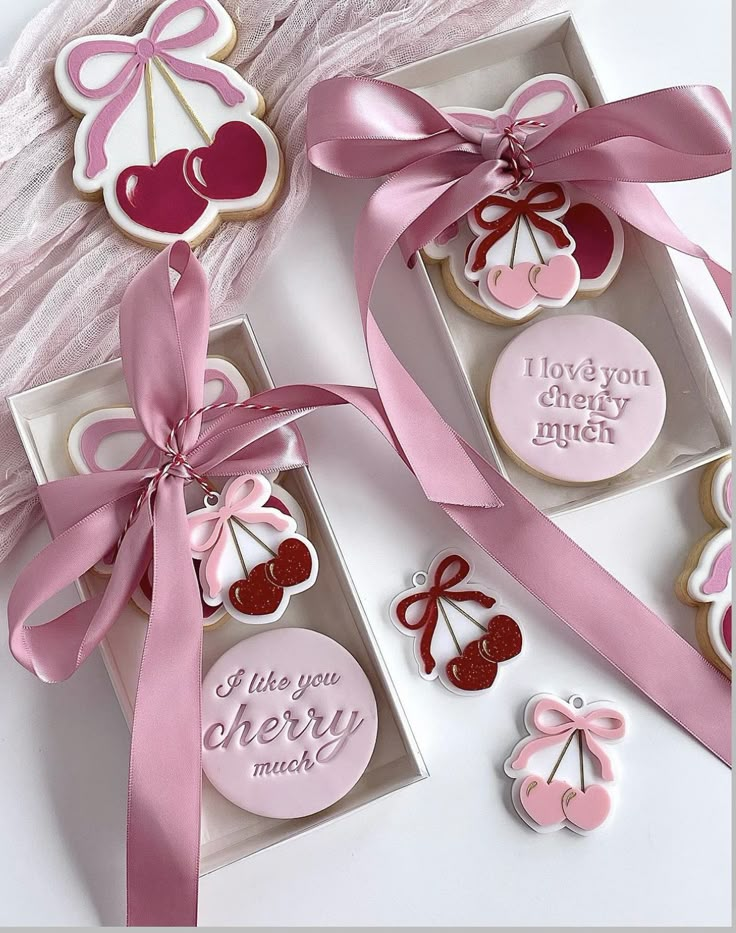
[
  {"x": 461, "y": 634},
  {"x": 171, "y": 139},
  {"x": 706, "y": 580},
  {"x": 569, "y": 743},
  {"x": 536, "y": 246},
  {"x": 252, "y": 558}
]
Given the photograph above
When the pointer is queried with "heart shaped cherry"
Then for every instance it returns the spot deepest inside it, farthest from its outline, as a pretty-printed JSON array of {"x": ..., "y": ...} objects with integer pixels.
[
  {"x": 292, "y": 564},
  {"x": 233, "y": 165},
  {"x": 594, "y": 239},
  {"x": 257, "y": 594},
  {"x": 542, "y": 801},
  {"x": 158, "y": 197},
  {"x": 503, "y": 640},
  {"x": 557, "y": 279},
  {"x": 588, "y": 808},
  {"x": 510, "y": 285},
  {"x": 471, "y": 671}
]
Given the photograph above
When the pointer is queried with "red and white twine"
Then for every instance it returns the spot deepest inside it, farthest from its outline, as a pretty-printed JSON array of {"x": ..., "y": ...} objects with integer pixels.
[{"x": 178, "y": 461}]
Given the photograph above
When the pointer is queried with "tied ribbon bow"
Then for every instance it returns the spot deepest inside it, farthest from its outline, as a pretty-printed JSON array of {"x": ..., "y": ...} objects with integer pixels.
[
  {"x": 600, "y": 722},
  {"x": 440, "y": 165},
  {"x": 245, "y": 498},
  {"x": 147, "y": 454},
  {"x": 163, "y": 364},
  {"x": 124, "y": 85},
  {"x": 540, "y": 200},
  {"x": 445, "y": 579}
]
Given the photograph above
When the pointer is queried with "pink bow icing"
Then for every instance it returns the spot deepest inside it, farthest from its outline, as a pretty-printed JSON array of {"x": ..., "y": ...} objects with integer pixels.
[
  {"x": 123, "y": 87},
  {"x": 147, "y": 454},
  {"x": 243, "y": 497},
  {"x": 503, "y": 121},
  {"x": 591, "y": 724}
]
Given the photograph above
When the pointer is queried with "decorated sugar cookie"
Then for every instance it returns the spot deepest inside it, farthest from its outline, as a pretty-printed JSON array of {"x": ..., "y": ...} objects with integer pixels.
[
  {"x": 252, "y": 558},
  {"x": 289, "y": 723},
  {"x": 558, "y": 767},
  {"x": 576, "y": 399},
  {"x": 706, "y": 579},
  {"x": 170, "y": 138},
  {"x": 537, "y": 247},
  {"x": 112, "y": 438},
  {"x": 456, "y": 638}
]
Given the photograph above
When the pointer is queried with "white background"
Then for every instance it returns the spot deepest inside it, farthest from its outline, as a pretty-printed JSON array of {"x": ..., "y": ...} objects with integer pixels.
[{"x": 448, "y": 851}]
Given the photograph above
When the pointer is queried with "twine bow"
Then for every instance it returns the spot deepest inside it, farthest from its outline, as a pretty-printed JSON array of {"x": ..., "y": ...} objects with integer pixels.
[
  {"x": 540, "y": 200},
  {"x": 445, "y": 579},
  {"x": 125, "y": 83},
  {"x": 600, "y": 722}
]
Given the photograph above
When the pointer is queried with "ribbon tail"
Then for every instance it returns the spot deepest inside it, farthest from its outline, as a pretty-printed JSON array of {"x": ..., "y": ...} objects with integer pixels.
[
  {"x": 55, "y": 650},
  {"x": 584, "y": 596},
  {"x": 165, "y": 758}
]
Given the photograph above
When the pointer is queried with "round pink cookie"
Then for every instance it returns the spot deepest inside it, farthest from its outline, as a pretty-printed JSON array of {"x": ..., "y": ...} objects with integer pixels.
[
  {"x": 577, "y": 399},
  {"x": 289, "y": 723}
]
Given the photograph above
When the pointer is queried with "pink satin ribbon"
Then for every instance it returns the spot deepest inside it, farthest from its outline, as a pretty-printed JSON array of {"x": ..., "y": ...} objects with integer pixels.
[
  {"x": 124, "y": 85},
  {"x": 439, "y": 168},
  {"x": 146, "y": 454},
  {"x": 163, "y": 364},
  {"x": 602, "y": 722}
]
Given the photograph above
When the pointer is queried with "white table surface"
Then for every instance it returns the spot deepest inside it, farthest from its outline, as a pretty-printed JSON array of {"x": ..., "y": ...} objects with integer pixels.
[{"x": 448, "y": 851}]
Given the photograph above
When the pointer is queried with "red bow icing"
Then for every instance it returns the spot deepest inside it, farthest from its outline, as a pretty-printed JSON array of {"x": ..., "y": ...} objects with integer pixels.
[
  {"x": 442, "y": 586},
  {"x": 540, "y": 200},
  {"x": 124, "y": 85}
]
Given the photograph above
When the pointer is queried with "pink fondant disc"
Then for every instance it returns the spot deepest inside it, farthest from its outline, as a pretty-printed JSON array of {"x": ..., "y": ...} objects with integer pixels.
[
  {"x": 577, "y": 399},
  {"x": 289, "y": 723}
]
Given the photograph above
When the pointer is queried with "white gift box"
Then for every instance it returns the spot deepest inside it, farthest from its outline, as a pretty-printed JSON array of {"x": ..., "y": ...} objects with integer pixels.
[
  {"x": 645, "y": 297},
  {"x": 44, "y": 417}
]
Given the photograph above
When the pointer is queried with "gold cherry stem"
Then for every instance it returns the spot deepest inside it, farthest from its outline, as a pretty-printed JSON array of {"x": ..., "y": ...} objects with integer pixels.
[
  {"x": 253, "y": 535},
  {"x": 186, "y": 106},
  {"x": 580, "y": 756},
  {"x": 237, "y": 547},
  {"x": 516, "y": 240},
  {"x": 534, "y": 239},
  {"x": 150, "y": 115},
  {"x": 450, "y": 629},
  {"x": 466, "y": 614},
  {"x": 561, "y": 756}
]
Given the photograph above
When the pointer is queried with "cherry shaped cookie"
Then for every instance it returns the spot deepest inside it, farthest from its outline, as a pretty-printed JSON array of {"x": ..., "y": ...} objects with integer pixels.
[{"x": 171, "y": 139}]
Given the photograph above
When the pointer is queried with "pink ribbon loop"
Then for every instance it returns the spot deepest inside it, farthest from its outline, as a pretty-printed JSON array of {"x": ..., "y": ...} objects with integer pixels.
[
  {"x": 124, "y": 85},
  {"x": 600, "y": 722}
]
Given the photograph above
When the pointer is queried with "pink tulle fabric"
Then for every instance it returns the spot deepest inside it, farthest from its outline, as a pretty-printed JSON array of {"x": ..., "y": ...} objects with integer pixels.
[{"x": 64, "y": 266}]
